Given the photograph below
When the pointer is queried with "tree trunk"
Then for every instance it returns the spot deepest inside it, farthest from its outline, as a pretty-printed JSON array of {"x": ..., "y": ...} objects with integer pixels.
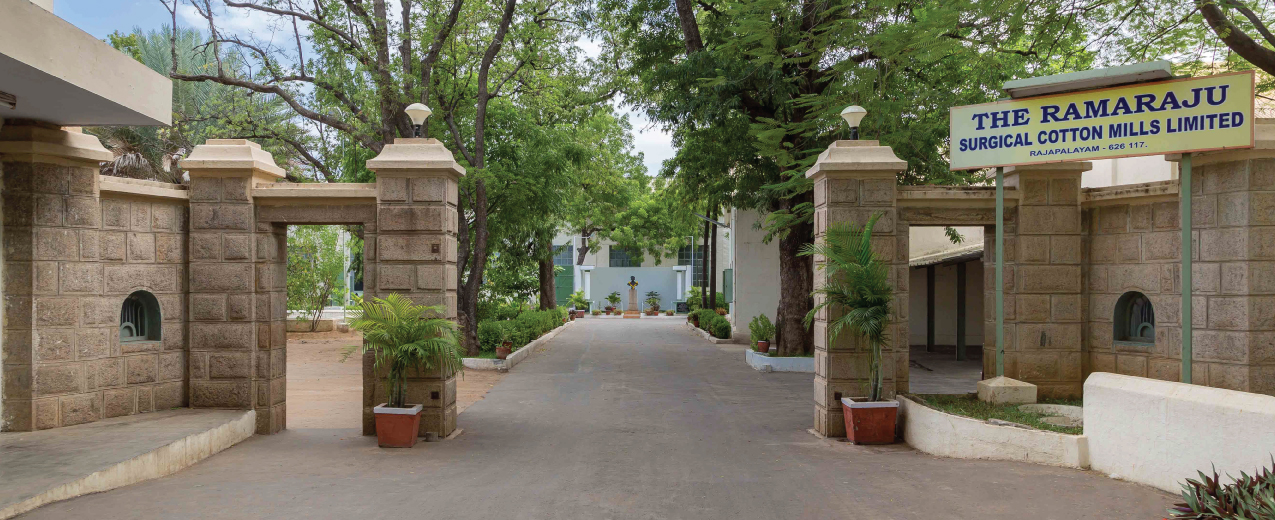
[
  {"x": 712, "y": 257},
  {"x": 548, "y": 297},
  {"x": 796, "y": 281},
  {"x": 703, "y": 293}
]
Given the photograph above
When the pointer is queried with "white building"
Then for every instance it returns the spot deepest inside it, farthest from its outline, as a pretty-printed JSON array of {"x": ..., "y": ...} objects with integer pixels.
[{"x": 607, "y": 268}]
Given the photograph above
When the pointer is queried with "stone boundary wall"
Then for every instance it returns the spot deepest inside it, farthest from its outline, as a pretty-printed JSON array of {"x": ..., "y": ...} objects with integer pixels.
[{"x": 1135, "y": 244}]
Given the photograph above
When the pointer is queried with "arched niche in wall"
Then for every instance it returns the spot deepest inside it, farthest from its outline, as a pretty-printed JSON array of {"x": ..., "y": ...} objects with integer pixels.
[
  {"x": 1134, "y": 319},
  {"x": 140, "y": 319}
]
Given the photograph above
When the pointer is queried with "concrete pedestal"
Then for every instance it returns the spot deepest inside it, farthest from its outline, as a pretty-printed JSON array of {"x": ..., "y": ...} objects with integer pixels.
[{"x": 1003, "y": 390}]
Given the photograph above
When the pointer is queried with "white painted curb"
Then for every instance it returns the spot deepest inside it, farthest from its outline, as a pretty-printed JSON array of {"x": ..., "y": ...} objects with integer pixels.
[
  {"x": 778, "y": 364},
  {"x": 947, "y": 435},
  {"x": 160, "y": 462},
  {"x": 514, "y": 358}
]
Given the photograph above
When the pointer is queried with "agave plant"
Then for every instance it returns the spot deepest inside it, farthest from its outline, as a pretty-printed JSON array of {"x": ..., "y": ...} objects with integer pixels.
[
  {"x": 1247, "y": 498},
  {"x": 405, "y": 336},
  {"x": 858, "y": 285}
]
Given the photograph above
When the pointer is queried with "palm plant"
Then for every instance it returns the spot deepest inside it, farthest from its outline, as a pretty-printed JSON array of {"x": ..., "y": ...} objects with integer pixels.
[
  {"x": 614, "y": 298},
  {"x": 653, "y": 300},
  {"x": 405, "y": 336},
  {"x": 857, "y": 284},
  {"x": 578, "y": 301}
]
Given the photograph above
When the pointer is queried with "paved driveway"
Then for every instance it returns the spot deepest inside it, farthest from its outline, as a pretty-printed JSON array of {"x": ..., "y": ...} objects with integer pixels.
[{"x": 617, "y": 419}]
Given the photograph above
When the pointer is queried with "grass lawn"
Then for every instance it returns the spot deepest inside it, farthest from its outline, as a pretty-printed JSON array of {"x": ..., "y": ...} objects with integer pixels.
[
  {"x": 968, "y": 405},
  {"x": 485, "y": 355}
]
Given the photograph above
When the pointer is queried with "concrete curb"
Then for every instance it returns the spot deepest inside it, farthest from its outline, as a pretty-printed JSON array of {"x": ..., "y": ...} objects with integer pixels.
[
  {"x": 709, "y": 337},
  {"x": 778, "y": 364},
  {"x": 516, "y": 357},
  {"x": 947, "y": 435},
  {"x": 157, "y": 463}
]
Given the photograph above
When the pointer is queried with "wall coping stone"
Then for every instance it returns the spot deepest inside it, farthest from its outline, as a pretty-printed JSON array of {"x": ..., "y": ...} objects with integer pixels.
[
  {"x": 232, "y": 154},
  {"x": 1142, "y": 193},
  {"x": 859, "y": 158},
  {"x": 413, "y": 154},
  {"x": 37, "y": 143},
  {"x": 142, "y": 188}
]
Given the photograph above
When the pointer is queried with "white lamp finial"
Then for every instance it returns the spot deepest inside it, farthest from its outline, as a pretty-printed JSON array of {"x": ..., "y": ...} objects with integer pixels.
[
  {"x": 853, "y": 114},
  {"x": 418, "y": 112}
]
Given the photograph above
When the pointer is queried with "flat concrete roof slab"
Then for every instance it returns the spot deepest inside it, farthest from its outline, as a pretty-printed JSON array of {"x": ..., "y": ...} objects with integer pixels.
[{"x": 65, "y": 76}]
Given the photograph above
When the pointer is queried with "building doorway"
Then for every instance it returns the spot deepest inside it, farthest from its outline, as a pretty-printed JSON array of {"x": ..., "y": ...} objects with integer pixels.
[{"x": 945, "y": 308}]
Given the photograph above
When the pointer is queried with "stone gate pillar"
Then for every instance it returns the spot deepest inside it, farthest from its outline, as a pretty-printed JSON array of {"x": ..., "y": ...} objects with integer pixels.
[
  {"x": 1043, "y": 282},
  {"x": 414, "y": 254},
  {"x": 853, "y": 180},
  {"x": 51, "y": 219},
  {"x": 236, "y": 279}
]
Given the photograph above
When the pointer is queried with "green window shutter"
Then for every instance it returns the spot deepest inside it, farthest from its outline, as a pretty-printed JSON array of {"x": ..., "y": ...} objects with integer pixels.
[{"x": 728, "y": 284}]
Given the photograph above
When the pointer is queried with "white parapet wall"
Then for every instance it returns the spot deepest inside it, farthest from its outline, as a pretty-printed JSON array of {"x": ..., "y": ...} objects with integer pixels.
[
  {"x": 947, "y": 435},
  {"x": 1160, "y": 433}
]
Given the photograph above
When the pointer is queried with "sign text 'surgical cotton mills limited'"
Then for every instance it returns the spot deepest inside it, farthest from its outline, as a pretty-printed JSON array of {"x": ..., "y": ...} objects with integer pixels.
[{"x": 1174, "y": 116}]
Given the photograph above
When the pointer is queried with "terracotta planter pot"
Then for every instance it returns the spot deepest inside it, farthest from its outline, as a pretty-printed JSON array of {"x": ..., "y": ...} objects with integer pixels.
[
  {"x": 504, "y": 350},
  {"x": 580, "y": 314},
  {"x": 870, "y": 422},
  {"x": 397, "y": 427},
  {"x": 763, "y": 346}
]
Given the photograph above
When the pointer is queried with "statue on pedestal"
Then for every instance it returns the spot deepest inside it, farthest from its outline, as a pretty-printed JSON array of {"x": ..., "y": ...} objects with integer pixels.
[{"x": 632, "y": 310}]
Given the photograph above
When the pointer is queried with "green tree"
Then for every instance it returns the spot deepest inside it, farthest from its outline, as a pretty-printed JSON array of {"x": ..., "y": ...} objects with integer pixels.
[
  {"x": 316, "y": 269},
  {"x": 476, "y": 64},
  {"x": 751, "y": 90}
]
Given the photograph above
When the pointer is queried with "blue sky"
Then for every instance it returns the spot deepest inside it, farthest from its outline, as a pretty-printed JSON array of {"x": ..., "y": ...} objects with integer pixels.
[{"x": 102, "y": 17}]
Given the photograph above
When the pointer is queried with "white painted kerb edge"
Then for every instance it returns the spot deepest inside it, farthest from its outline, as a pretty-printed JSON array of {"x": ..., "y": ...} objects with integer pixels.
[
  {"x": 947, "y": 435},
  {"x": 1160, "y": 433},
  {"x": 164, "y": 461}
]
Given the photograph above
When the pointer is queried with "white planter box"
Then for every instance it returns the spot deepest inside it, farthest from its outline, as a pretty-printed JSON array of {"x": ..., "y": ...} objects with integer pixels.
[
  {"x": 947, "y": 435},
  {"x": 764, "y": 363}
]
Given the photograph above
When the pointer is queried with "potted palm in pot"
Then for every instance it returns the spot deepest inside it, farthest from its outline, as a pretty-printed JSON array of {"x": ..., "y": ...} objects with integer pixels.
[
  {"x": 579, "y": 303},
  {"x": 506, "y": 346},
  {"x": 614, "y": 299},
  {"x": 858, "y": 286},
  {"x": 652, "y": 303},
  {"x": 403, "y": 337},
  {"x": 761, "y": 330}
]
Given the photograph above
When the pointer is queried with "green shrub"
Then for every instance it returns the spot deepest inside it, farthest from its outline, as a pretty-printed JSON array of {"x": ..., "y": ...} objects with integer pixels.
[
  {"x": 696, "y": 294},
  {"x": 719, "y": 327},
  {"x": 489, "y": 335},
  {"x": 761, "y": 329},
  {"x": 704, "y": 315}
]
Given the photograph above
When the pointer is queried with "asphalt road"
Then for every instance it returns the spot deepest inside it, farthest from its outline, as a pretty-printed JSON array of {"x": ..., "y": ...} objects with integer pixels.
[{"x": 617, "y": 419}]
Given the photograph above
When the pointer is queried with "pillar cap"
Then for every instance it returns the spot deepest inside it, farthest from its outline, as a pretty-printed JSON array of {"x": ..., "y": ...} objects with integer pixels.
[
  {"x": 857, "y": 157},
  {"x": 414, "y": 154},
  {"x": 1263, "y": 144},
  {"x": 232, "y": 154},
  {"x": 29, "y": 141}
]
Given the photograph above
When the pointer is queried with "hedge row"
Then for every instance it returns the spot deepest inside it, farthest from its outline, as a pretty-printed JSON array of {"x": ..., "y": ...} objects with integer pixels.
[
  {"x": 521, "y": 330},
  {"x": 710, "y": 321}
]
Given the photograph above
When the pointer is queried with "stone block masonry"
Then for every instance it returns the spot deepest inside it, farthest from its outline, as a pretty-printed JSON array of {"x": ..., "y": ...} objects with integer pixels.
[
  {"x": 854, "y": 180},
  {"x": 415, "y": 256},
  {"x": 73, "y": 255}
]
